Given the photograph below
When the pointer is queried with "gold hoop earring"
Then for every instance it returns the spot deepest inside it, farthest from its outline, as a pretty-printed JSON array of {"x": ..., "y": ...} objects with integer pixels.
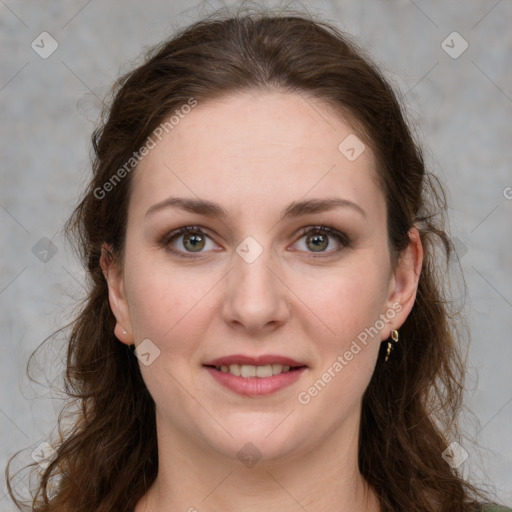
[{"x": 394, "y": 337}]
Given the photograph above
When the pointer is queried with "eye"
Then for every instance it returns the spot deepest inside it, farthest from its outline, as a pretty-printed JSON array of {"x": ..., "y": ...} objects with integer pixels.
[
  {"x": 193, "y": 240},
  {"x": 317, "y": 239}
]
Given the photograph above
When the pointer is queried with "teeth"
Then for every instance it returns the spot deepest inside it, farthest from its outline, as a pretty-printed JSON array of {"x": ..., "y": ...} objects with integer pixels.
[
  {"x": 234, "y": 369},
  {"x": 247, "y": 370},
  {"x": 264, "y": 371},
  {"x": 277, "y": 369}
]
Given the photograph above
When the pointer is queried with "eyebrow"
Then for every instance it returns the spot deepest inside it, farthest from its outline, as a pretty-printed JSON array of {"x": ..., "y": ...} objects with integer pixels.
[{"x": 295, "y": 209}]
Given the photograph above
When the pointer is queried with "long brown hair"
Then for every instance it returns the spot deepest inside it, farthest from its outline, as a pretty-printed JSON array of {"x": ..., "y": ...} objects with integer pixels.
[{"x": 108, "y": 459}]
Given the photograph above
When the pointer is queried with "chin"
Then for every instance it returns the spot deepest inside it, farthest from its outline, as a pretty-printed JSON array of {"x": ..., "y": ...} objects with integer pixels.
[{"x": 267, "y": 440}]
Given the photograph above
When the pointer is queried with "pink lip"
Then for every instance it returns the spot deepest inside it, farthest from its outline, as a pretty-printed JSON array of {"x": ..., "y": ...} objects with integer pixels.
[
  {"x": 254, "y": 361},
  {"x": 255, "y": 386}
]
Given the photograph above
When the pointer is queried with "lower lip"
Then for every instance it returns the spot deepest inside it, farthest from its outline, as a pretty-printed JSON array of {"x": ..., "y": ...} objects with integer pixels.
[{"x": 255, "y": 386}]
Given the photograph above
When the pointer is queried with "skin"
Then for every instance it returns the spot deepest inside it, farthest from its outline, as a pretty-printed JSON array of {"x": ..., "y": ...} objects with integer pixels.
[{"x": 254, "y": 154}]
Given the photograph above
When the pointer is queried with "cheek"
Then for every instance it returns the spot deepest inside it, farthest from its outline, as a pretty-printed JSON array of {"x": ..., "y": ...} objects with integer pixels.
[
  {"x": 349, "y": 299},
  {"x": 347, "y": 350},
  {"x": 166, "y": 303}
]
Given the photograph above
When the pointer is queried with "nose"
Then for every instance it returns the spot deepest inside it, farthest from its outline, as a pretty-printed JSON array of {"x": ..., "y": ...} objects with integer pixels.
[{"x": 256, "y": 297}]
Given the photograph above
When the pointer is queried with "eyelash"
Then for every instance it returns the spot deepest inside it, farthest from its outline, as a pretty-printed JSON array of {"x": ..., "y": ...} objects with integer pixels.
[{"x": 340, "y": 237}]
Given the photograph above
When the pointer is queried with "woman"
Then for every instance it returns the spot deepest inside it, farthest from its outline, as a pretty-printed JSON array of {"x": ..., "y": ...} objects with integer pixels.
[{"x": 266, "y": 327}]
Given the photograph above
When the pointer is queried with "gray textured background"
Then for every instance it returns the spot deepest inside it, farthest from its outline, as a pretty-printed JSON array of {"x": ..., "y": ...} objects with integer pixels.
[{"x": 461, "y": 108}]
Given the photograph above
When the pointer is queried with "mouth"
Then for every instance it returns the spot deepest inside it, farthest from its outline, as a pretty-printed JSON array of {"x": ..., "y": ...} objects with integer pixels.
[{"x": 255, "y": 376}]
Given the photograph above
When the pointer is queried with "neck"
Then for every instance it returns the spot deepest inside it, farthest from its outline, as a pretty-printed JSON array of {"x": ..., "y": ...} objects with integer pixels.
[{"x": 192, "y": 478}]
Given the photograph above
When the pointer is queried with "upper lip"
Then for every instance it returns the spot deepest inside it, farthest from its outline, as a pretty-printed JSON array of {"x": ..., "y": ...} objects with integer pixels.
[{"x": 262, "y": 360}]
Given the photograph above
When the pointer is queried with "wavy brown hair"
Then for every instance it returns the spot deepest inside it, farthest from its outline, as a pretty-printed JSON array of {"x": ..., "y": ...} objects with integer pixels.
[{"x": 107, "y": 459}]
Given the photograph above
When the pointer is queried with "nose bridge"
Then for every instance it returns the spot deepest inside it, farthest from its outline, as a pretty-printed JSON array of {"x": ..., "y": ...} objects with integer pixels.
[{"x": 255, "y": 296}]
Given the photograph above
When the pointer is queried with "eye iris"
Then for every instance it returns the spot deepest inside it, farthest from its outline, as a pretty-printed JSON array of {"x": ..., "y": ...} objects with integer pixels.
[
  {"x": 320, "y": 241},
  {"x": 196, "y": 241}
]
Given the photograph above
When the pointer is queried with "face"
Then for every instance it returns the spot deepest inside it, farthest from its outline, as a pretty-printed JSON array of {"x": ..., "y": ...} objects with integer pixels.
[{"x": 268, "y": 277}]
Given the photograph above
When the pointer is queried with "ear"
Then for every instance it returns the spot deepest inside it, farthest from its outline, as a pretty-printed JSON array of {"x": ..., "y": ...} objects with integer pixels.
[
  {"x": 404, "y": 283},
  {"x": 116, "y": 295}
]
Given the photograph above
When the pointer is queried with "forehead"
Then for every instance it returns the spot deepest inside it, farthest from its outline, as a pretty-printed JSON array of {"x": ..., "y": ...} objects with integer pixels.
[{"x": 257, "y": 147}]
